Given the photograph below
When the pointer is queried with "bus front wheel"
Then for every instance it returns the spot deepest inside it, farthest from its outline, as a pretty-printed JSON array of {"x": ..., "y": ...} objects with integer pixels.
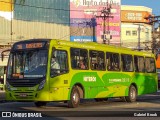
[
  {"x": 40, "y": 104},
  {"x": 132, "y": 96},
  {"x": 74, "y": 98}
]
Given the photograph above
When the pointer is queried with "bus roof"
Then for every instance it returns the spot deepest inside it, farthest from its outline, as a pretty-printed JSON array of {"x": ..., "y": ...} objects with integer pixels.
[
  {"x": 33, "y": 40},
  {"x": 92, "y": 45},
  {"x": 98, "y": 46}
]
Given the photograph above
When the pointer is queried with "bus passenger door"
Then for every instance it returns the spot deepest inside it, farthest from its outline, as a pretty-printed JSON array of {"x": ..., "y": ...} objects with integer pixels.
[{"x": 59, "y": 78}]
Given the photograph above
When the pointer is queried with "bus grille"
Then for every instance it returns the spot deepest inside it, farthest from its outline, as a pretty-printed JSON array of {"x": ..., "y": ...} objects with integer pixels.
[{"x": 23, "y": 84}]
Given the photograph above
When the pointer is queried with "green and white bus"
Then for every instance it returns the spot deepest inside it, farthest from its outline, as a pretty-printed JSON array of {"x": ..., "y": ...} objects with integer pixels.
[{"x": 108, "y": 71}]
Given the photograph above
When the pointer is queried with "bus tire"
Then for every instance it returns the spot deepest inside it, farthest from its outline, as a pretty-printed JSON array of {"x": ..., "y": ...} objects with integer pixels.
[
  {"x": 40, "y": 104},
  {"x": 74, "y": 98},
  {"x": 132, "y": 96}
]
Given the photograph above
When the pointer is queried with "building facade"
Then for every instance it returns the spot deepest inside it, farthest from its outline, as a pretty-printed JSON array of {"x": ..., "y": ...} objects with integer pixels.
[
  {"x": 136, "y": 32},
  {"x": 97, "y": 20},
  {"x": 27, "y": 19},
  {"x": 74, "y": 20}
]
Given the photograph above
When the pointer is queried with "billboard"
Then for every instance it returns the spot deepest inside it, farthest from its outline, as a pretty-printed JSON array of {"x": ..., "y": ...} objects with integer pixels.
[
  {"x": 87, "y": 21},
  {"x": 134, "y": 16}
]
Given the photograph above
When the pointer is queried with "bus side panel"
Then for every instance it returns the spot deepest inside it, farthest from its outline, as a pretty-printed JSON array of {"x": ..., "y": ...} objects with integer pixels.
[
  {"x": 59, "y": 87},
  {"x": 103, "y": 91},
  {"x": 117, "y": 83},
  {"x": 110, "y": 85},
  {"x": 89, "y": 80},
  {"x": 145, "y": 83},
  {"x": 151, "y": 80}
]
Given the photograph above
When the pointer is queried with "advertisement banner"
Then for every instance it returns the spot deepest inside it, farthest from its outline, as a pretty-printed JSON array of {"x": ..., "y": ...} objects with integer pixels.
[
  {"x": 89, "y": 14},
  {"x": 134, "y": 16}
]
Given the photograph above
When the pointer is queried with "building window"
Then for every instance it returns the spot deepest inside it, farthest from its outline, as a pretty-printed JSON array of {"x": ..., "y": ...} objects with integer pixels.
[
  {"x": 128, "y": 33},
  {"x": 134, "y": 33}
]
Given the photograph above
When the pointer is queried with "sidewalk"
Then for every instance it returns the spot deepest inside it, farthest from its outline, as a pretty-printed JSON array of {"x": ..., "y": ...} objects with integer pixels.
[{"x": 2, "y": 95}]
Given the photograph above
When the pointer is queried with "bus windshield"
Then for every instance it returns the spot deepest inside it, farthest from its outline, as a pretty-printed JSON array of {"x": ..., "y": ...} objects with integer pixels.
[{"x": 28, "y": 64}]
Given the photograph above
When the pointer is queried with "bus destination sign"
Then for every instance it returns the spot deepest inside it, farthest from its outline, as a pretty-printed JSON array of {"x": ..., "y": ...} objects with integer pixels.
[{"x": 31, "y": 45}]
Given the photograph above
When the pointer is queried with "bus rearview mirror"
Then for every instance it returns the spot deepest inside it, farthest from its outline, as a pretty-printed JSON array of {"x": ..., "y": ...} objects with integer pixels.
[{"x": 2, "y": 53}]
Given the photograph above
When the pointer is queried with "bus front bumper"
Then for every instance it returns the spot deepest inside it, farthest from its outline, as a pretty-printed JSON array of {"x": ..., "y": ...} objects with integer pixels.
[{"x": 27, "y": 96}]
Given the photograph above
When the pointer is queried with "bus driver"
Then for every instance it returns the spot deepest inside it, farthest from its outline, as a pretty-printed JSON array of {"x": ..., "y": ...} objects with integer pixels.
[{"x": 55, "y": 65}]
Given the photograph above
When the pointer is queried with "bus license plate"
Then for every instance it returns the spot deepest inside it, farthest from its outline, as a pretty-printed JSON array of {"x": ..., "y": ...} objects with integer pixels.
[{"x": 23, "y": 95}]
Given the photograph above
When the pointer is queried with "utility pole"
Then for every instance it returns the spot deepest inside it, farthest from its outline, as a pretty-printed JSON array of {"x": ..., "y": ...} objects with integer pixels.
[
  {"x": 139, "y": 36},
  {"x": 105, "y": 14},
  {"x": 153, "y": 20},
  {"x": 153, "y": 37}
]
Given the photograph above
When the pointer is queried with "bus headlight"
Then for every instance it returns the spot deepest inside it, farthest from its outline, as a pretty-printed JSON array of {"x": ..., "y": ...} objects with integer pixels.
[
  {"x": 8, "y": 87},
  {"x": 41, "y": 85}
]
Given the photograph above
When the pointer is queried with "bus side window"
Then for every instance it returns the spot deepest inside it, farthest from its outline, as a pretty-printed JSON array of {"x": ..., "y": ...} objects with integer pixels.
[
  {"x": 150, "y": 65},
  {"x": 73, "y": 62},
  {"x": 112, "y": 61},
  {"x": 59, "y": 62},
  {"x": 79, "y": 58},
  {"x": 127, "y": 63},
  {"x": 139, "y": 64},
  {"x": 136, "y": 64},
  {"x": 97, "y": 60}
]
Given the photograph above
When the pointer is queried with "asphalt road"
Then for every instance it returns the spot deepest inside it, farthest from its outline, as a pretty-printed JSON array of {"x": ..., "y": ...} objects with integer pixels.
[{"x": 146, "y": 106}]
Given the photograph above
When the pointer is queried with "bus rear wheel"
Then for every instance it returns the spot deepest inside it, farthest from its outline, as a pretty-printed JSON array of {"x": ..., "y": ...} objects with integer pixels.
[
  {"x": 74, "y": 98},
  {"x": 40, "y": 104},
  {"x": 132, "y": 96}
]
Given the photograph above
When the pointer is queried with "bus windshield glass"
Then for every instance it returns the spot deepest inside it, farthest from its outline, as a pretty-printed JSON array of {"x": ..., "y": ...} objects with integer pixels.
[{"x": 27, "y": 64}]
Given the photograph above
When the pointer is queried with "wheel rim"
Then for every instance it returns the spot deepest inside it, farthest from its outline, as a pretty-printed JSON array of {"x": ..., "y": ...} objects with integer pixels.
[
  {"x": 133, "y": 94},
  {"x": 75, "y": 98}
]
